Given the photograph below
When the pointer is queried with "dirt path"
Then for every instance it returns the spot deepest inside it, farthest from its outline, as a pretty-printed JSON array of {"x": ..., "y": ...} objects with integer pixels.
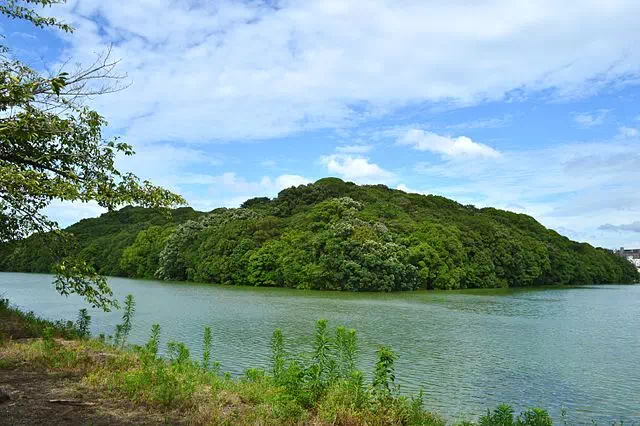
[{"x": 31, "y": 392}]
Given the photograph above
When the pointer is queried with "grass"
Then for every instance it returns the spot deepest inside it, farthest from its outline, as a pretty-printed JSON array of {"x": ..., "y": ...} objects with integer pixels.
[
  {"x": 16, "y": 324},
  {"x": 320, "y": 388}
]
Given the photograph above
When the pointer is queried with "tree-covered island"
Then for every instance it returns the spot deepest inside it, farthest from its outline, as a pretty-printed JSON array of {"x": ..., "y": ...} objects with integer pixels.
[{"x": 330, "y": 235}]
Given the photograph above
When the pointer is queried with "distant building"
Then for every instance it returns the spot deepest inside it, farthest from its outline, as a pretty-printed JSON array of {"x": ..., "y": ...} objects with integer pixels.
[{"x": 633, "y": 255}]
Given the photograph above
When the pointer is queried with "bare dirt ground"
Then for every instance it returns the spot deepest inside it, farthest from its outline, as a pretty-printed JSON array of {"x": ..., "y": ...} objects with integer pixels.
[{"x": 31, "y": 394}]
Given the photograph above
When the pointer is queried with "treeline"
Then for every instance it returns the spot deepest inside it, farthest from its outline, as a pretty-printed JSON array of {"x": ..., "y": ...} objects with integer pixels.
[{"x": 331, "y": 235}]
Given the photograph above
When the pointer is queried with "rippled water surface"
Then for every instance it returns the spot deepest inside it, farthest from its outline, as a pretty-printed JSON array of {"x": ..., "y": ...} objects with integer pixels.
[{"x": 577, "y": 348}]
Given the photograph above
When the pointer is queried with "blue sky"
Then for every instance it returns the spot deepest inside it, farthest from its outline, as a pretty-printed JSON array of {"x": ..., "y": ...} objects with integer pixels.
[{"x": 531, "y": 106}]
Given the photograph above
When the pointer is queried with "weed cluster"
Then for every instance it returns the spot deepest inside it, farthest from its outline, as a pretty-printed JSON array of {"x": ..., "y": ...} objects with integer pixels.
[
  {"x": 503, "y": 415},
  {"x": 15, "y": 324},
  {"x": 328, "y": 381}
]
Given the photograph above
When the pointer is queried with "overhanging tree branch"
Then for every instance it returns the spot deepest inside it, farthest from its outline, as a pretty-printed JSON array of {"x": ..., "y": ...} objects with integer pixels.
[{"x": 51, "y": 148}]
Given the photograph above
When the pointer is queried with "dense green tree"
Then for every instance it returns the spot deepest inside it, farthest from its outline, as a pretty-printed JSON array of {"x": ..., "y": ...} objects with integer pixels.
[
  {"x": 334, "y": 235},
  {"x": 140, "y": 260}
]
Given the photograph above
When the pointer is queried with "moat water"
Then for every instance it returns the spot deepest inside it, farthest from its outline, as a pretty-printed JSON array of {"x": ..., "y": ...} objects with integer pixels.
[{"x": 560, "y": 348}]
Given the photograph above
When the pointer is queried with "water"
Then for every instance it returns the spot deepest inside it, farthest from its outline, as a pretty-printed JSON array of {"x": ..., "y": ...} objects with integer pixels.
[{"x": 577, "y": 348}]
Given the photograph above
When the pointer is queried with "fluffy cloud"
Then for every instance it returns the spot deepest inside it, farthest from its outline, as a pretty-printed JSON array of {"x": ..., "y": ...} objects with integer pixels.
[
  {"x": 405, "y": 188},
  {"x": 628, "y": 132},
  {"x": 357, "y": 169},
  {"x": 230, "y": 182},
  {"x": 591, "y": 119},
  {"x": 228, "y": 70},
  {"x": 231, "y": 190},
  {"x": 284, "y": 181},
  {"x": 630, "y": 227},
  {"x": 461, "y": 146},
  {"x": 160, "y": 161},
  {"x": 67, "y": 213}
]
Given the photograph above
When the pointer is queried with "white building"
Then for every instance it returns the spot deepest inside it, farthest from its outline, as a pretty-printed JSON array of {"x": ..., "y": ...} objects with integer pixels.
[
  {"x": 634, "y": 260},
  {"x": 632, "y": 255}
]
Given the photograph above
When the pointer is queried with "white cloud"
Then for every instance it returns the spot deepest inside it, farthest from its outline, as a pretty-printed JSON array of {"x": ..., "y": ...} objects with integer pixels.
[
  {"x": 405, "y": 188},
  {"x": 67, "y": 213},
  {"x": 461, "y": 146},
  {"x": 357, "y": 169},
  {"x": 227, "y": 70},
  {"x": 630, "y": 227},
  {"x": 284, "y": 181},
  {"x": 230, "y": 190},
  {"x": 628, "y": 132},
  {"x": 152, "y": 159},
  {"x": 573, "y": 187},
  {"x": 230, "y": 182},
  {"x": 591, "y": 119},
  {"x": 354, "y": 149}
]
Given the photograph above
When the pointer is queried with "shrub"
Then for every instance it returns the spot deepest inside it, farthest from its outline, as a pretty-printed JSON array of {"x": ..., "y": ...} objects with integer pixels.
[
  {"x": 503, "y": 415},
  {"x": 206, "y": 345},
  {"x": 123, "y": 329},
  {"x": 83, "y": 323},
  {"x": 384, "y": 376}
]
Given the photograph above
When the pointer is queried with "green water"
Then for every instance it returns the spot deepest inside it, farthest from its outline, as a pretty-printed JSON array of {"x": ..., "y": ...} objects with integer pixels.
[{"x": 577, "y": 348}]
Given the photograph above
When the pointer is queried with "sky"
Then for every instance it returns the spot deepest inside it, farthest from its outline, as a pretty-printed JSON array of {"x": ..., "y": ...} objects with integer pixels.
[{"x": 529, "y": 106}]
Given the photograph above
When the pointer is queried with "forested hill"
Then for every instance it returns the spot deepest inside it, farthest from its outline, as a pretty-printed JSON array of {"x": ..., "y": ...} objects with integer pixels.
[{"x": 332, "y": 235}]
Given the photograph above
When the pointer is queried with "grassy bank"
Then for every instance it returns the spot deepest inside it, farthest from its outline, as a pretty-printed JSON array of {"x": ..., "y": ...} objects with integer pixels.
[{"x": 319, "y": 388}]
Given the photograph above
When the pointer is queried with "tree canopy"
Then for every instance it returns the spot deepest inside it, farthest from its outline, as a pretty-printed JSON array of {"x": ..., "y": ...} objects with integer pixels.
[
  {"x": 52, "y": 148},
  {"x": 334, "y": 235}
]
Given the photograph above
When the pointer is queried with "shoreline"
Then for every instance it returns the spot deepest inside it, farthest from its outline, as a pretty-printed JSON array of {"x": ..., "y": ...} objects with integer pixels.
[
  {"x": 349, "y": 292},
  {"x": 129, "y": 380}
]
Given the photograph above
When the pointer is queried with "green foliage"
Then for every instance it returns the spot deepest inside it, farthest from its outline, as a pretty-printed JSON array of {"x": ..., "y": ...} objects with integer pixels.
[
  {"x": 178, "y": 353},
  {"x": 154, "y": 339},
  {"x": 325, "y": 381},
  {"x": 278, "y": 355},
  {"x": 333, "y": 235},
  {"x": 15, "y": 324},
  {"x": 323, "y": 362},
  {"x": 47, "y": 340},
  {"x": 168, "y": 383},
  {"x": 124, "y": 328},
  {"x": 503, "y": 415},
  {"x": 347, "y": 347},
  {"x": 384, "y": 377},
  {"x": 534, "y": 417},
  {"x": 76, "y": 276},
  {"x": 207, "y": 342},
  {"x": 83, "y": 323},
  {"x": 51, "y": 148},
  {"x": 16, "y": 9}
]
